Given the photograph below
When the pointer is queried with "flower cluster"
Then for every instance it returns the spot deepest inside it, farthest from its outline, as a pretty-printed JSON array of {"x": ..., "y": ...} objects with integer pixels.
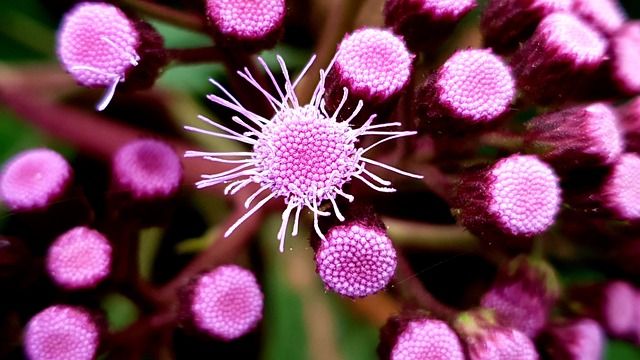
[{"x": 446, "y": 166}]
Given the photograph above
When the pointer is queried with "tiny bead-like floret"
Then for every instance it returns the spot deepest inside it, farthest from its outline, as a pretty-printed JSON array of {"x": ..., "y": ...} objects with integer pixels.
[
  {"x": 579, "y": 339},
  {"x": 302, "y": 154},
  {"x": 605, "y": 15},
  {"x": 97, "y": 45},
  {"x": 61, "y": 332},
  {"x": 147, "y": 168},
  {"x": 34, "y": 179},
  {"x": 560, "y": 58},
  {"x": 373, "y": 64},
  {"x": 226, "y": 302},
  {"x": 248, "y": 21},
  {"x": 621, "y": 189},
  {"x": 79, "y": 259},
  {"x": 579, "y": 136},
  {"x": 425, "y": 24},
  {"x": 518, "y": 196},
  {"x": 356, "y": 260},
  {"x": 506, "y": 23},
  {"x": 625, "y": 57},
  {"x": 427, "y": 339},
  {"x": 473, "y": 85}
]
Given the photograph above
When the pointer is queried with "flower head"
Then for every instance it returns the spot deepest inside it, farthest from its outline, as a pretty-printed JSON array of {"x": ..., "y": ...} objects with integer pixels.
[
  {"x": 578, "y": 339},
  {"x": 605, "y": 15},
  {"x": 79, "y": 259},
  {"x": 625, "y": 55},
  {"x": 225, "y": 303},
  {"x": 302, "y": 154},
  {"x": 61, "y": 332},
  {"x": 621, "y": 189}
]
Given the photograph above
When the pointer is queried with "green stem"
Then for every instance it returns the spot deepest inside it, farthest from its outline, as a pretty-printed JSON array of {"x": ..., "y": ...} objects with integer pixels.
[{"x": 444, "y": 238}]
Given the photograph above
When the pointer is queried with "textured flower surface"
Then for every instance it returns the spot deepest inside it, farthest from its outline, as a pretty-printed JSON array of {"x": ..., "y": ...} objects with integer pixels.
[
  {"x": 226, "y": 302},
  {"x": 61, "y": 332},
  {"x": 625, "y": 53},
  {"x": 246, "y": 19},
  {"x": 97, "y": 45},
  {"x": 503, "y": 344},
  {"x": 356, "y": 260},
  {"x": 606, "y": 15},
  {"x": 427, "y": 339},
  {"x": 302, "y": 154},
  {"x": 79, "y": 258},
  {"x": 622, "y": 188}
]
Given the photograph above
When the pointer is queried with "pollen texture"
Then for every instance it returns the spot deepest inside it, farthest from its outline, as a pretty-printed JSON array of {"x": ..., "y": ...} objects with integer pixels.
[
  {"x": 427, "y": 339},
  {"x": 244, "y": 19},
  {"x": 97, "y": 44},
  {"x": 227, "y": 302},
  {"x": 625, "y": 53},
  {"x": 79, "y": 258},
  {"x": 61, "y": 332},
  {"x": 524, "y": 195},
  {"x": 356, "y": 261},
  {"x": 605, "y": 15},
  {"x": 572, "y": 38},
  {"x": 33, "y": 179},
  {"x": 622, "y": 189}
]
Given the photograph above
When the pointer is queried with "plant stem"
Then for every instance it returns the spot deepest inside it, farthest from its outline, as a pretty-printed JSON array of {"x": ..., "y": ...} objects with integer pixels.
[
  {"x": 195, "y": 55},
  {"x": 169, "y": 15}
]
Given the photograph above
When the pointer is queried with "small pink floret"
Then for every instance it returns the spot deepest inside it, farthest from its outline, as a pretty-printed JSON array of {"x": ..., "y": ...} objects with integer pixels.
[
  {"x": 572, "y": 38},
  {"x": 356, "y": 261},
  {"x": 427, "y": 339},
  {"x": 525, "y": 195},
  {"x": 625, "y": 53},
  {"x": 603, "y": 129},
  {"x": 246, "y": 19},
  {"x": 33, "y": 179},
  {"x": 374, "y": 63},
  {"x": 97, "y": 44},
  {"x": 79, "y": 259},
  {"x": 622, "y": 189},
  {"x": 475, "y": 85},
  {"x": 227, "y": 302},
  {"x": 452, "y": 8},
  {"x": 148, "y": 168},
  {"x": 61, "y": 332},
  {"x": 605, "y": 15}
]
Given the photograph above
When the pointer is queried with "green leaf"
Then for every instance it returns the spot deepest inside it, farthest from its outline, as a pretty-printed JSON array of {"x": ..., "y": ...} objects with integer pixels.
[{"x": 120, "y": 311}]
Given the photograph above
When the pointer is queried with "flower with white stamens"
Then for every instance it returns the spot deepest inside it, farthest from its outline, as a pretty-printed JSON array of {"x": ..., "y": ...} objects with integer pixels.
[{"x": 302, "y": 154}]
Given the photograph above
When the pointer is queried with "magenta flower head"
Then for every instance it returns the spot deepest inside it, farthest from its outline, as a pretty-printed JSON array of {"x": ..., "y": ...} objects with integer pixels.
[
  {"x": 621, "y": 190},
  {"x": 418, "y": 337},
  {"x": 471, "y": 88},
  {"x": 34, "y": 179},
  {"x": 375, "y": 67},
  {"x": 425, "y": 24},
  {"x": 302, "y": 154},
  {"x": 522, "y": 295},
  {"x": 630, "y": 122},
  {"x": 355, "y": 258},
  {"x": 147, "y": 169},
  {"x": 605, "y": 15},
  {"x": 559, "y": 60},
  {"x": 506, "y": 23},
  {"x": 484, "y": 339},
  {"x": 517, "y": 197},
  {"x": 101, "y": 47},
  {"x": 585, "y": 135},
  {"x": 578, "y": 339},
  {"x": 79, "y": 259},
  {"x": 252, "y": 25},
  {"x": 612, "y": 304},
  {"x": 225, "y": 303},
  {"x": 624, "y": 51},
  {"x": 62, "y": 332}
]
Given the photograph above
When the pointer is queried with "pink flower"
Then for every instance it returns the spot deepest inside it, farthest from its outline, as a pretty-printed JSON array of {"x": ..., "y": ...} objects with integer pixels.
[{"x": 605, "y": 15}]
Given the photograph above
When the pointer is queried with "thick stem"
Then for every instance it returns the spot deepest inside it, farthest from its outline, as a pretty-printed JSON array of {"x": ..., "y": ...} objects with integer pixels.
[
  {"x": 169, "y": 15},
  {"x": 204, "y": 54},
  {"x": 430, "y": 236}
]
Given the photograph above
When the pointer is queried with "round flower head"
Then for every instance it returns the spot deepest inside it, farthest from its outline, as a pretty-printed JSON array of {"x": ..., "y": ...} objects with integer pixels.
[
  {"x": 630, "y": 122},
  {"x": 373, "y": 64},
  {"x": 100, "y": 47},
  {"x": 621, "y": 190},
  {"x": 580, "y": 339},
  {"x": 225, "y": 303},
  {"x": 519, "y": 196},
  {"x": 61, "y": 332},
  {"x": 605, "y": 15},
  {"x": 579, "y": 136},
  {"x": 79, "y": 259},
  {"x": 612, "y": 304},
  {"x": 625, "y": 56},
  {"x": 506, "y": 23},
  {"x": 147, "y": 169},
  {"x": 356, "y": 260},
  {"x": 256, "y": 23},
  {"x": 419, "y": 338},
  {"x": 302, "y": 154},
  {"x": 472, "y": 87},
  {"x": 425, "y": 24},
  {"x": 34, "y": 179},
  {"x": 559, "y": 59}
]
